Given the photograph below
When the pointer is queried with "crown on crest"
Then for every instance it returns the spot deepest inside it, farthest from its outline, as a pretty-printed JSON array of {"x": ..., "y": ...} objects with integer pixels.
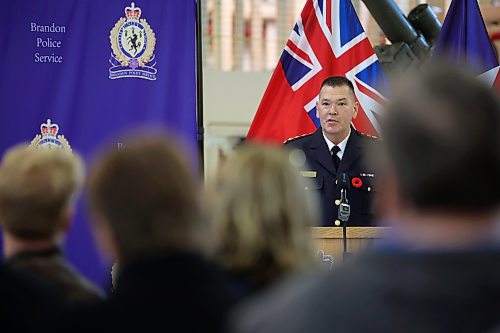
[
  {"x": 133, "y": 12},
  {"x": 49, "y": 129},
  {"x": 49, "y": 138}
]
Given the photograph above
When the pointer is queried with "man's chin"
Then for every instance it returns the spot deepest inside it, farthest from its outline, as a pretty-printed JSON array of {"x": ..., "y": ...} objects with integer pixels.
[{"x": 331, "y": 129}]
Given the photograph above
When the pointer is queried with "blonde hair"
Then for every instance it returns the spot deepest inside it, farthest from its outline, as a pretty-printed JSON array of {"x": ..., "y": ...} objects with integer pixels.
[
  {"x": 37, "y": 187},
  {"x": 262, "y": 214}
]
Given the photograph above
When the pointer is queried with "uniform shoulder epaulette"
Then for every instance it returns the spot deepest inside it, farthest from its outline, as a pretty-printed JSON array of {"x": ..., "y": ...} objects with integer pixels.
[
  {"x": 369, "y": 136},
  {"x": 295, "y": 138}
]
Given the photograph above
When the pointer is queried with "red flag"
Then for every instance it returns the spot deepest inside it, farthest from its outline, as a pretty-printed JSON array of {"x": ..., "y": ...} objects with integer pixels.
[{"x": 327, "y": 40}]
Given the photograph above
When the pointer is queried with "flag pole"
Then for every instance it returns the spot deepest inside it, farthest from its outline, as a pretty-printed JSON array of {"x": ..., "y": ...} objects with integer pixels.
[{"x": 200, "y": 131}]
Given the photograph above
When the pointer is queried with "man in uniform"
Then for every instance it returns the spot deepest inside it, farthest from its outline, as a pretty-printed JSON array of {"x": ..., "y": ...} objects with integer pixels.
[{"x": 336, "y": 148}]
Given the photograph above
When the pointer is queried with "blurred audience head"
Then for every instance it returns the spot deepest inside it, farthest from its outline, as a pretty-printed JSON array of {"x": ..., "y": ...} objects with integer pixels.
[
  {"x": 262, "y": 214},
  {"x": 37, "y": 190},
  {"x": 144, "y": 199},
  {"x": 442, "y": 143}
]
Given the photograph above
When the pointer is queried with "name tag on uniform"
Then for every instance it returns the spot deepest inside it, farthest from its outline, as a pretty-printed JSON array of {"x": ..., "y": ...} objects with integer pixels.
[{"x": 310, "y": 174}]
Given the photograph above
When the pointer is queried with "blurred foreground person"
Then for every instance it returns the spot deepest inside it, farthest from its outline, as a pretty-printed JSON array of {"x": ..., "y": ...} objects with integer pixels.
[
  {"x": 262, "y": 216},
  {"x": 145, "y": 209},
  {"x": 27, "y": 303},
  {"x": 439, "y": 271},
  {"x": 38, "y": 188}
]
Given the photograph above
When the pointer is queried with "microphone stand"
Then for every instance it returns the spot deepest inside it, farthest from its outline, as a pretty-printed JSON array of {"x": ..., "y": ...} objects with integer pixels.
[
  {"x": 344, "y": 212},
  {"x": 345, "y": 254}
]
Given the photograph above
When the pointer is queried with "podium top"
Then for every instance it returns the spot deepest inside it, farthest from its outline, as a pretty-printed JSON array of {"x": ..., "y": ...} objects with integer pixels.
[{"x": 352, "y": 232}]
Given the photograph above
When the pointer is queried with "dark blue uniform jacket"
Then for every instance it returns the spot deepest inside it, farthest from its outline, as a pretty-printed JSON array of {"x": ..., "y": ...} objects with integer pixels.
[{"x": 320, "y": 167}]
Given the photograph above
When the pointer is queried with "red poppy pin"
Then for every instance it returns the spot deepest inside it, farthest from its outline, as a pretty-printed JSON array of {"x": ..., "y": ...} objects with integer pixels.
[{"x": 357, "y": 182}]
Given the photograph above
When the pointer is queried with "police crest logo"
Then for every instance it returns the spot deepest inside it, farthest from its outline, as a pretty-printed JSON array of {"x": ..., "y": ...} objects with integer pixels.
[
  {"x": 49, "y": 138},
  {"x": 132, "y": 44}
]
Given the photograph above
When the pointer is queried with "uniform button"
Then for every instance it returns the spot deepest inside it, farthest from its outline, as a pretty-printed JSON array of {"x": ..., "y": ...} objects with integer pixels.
[
  {"x": 337, "y": 222},
  {"x": 337, "y": 202},
  {"x": 369, "y": 189},
  {"x": 307, "y": 188}
]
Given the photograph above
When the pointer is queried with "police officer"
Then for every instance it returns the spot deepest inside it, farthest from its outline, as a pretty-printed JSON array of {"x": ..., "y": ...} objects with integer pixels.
[{"x": 336, "y": 148}]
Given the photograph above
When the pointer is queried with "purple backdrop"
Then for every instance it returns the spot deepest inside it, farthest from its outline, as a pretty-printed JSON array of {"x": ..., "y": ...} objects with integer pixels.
[{"x": 56, "y": 64}]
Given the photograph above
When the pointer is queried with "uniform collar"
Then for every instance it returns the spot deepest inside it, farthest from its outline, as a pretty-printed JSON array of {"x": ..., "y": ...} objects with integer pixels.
[{"x": 341, "y": 145}]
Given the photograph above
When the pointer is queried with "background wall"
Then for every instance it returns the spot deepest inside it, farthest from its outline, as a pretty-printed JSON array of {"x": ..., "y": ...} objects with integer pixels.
[{"x": 231, "y": 99}]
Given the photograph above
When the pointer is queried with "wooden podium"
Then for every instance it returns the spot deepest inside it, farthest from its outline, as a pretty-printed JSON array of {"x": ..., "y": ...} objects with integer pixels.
[{"x": 329, "y": 239}]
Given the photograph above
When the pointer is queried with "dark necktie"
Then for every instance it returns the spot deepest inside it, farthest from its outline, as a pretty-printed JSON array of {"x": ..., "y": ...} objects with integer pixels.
[{"x": 335, "y": 158}]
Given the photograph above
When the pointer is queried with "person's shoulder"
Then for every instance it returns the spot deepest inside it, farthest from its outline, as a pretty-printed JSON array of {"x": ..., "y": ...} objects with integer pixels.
[
  {"x": 367, "y": 140},
  {"x": 298, "y": 139},
  {"x": 367, "y": 137},
  {"x": 25, "y": 293},
  {"x": 269, "y": 310}
]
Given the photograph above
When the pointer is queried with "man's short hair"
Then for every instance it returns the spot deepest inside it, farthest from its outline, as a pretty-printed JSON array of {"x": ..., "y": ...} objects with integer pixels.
[
  {"x": 147, "y": 195},
  {"x": 338, "y": 81},
  {"x": 37, "y": 187},
  {"x": 442, "y": 134}
]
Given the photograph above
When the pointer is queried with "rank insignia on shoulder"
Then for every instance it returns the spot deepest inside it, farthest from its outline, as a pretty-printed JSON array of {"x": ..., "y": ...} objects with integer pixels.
[
  {"x": 295, "y": 138},
  {"x": 370, "y": 136}
]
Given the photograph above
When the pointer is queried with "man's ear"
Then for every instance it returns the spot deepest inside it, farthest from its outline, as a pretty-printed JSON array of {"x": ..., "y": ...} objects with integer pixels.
[{"x": 356, "y": 108}]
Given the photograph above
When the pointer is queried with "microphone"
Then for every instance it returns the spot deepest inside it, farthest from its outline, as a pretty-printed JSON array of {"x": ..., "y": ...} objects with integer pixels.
[
  {"x": 344, "y": 207},
  {"x": 343, "y": 181}
]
